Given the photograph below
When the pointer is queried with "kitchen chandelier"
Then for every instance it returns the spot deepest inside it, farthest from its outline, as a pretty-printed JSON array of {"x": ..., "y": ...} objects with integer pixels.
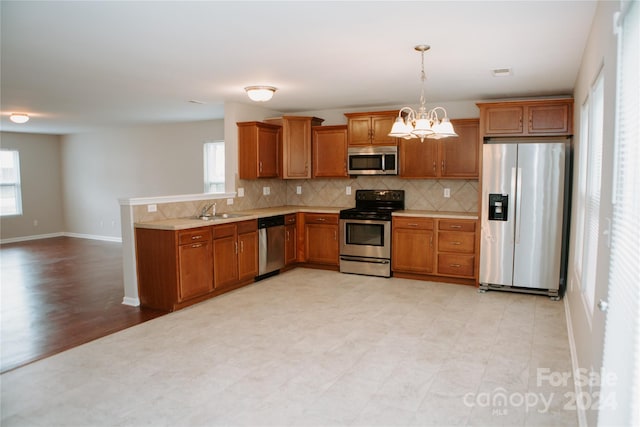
[
  {"x": 260, "y": 93},
  {"x": 422, "y": 124}
]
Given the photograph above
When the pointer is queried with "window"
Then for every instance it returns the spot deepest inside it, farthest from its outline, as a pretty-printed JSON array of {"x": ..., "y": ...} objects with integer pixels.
[
  {"x": 622, "y": 326},
  {"x": 589, "y": 182},
  {"x": 214, "y": 167},
  {"x": 10, "y": 192}
]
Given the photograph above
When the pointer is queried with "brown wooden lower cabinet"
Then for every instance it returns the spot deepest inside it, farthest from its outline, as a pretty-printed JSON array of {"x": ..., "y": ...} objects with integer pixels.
[
  {"x": 321, "y": 239},
  {"x": 412, "y": 245},
  {"x": 290, "y": 239},
  {"x": 175, "y": 268},
  {"x": 235, "y": 253},
  {"x": 435, "y": 249}
]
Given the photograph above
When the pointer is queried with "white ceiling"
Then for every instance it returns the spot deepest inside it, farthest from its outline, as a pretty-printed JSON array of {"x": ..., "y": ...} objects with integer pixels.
[{"x": 78, "y": 66}]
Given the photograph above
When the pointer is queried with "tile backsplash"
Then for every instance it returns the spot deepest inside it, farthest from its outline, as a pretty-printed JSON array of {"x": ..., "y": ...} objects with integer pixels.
[{"x": 420, "y": 194}]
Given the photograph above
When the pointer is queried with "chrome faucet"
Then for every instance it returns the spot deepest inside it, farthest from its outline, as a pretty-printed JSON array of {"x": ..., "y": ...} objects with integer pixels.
[{"x": 206, "y": 209}]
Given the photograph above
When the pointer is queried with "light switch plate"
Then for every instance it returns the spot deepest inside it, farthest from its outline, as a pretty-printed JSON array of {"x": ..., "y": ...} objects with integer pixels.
[
  {"x": 298, "y": 189},
  {"x": 266, "y": 191},
  {"x": 447, "y": 193},
  {"x": 348, "y": 190},
  {"x": 241, "y": 192}
]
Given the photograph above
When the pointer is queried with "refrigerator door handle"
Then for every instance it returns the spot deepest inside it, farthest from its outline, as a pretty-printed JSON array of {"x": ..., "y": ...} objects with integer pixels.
[
  {"x": 514, "y": 180},
  {"x": 518, "y": 203}
]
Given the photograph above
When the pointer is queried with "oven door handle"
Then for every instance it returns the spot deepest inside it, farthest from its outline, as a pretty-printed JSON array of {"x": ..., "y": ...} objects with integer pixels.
[{"x": 367, "y": 260}]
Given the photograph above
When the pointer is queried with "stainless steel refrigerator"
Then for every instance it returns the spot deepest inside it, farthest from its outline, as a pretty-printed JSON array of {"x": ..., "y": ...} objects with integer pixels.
[{"x": 525, "y": 211}]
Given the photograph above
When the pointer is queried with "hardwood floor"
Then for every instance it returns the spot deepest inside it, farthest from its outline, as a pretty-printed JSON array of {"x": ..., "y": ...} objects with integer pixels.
[{"x": 59, "y": 293}]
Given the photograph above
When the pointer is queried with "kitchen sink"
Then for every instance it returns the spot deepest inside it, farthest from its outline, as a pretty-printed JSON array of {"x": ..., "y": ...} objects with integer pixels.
[{"x": 220, "y": 216}]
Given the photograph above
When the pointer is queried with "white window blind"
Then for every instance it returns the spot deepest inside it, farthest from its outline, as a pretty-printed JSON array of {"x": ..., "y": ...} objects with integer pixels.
[
  {"x": 581, "y": 191},
  {"x": 10, "y": 189},
  {"x": 622, "y": 329},
  {"x": 214, "y": 167}
]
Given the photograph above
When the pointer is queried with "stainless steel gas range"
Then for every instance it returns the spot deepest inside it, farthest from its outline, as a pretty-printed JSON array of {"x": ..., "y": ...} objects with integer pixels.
[{"x": 365, "y": 232}]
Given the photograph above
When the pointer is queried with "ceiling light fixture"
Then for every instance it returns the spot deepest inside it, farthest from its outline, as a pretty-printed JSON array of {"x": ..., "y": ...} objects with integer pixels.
[
  {"x": 260, "y": 93},
  {"x": 19, "y": 117},
  {"x": 422, "y": 124}
]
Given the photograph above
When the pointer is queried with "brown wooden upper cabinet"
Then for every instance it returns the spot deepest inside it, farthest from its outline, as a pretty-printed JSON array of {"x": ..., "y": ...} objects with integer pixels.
[
  {"x": 455, "y": 157},
  {"x": 527, "y": 118},
  {"x": 296, "y": 144},
  {"x": 329, "y": 151},
  {"x": 258, "y": 150},
  {"x": 371, "y": 128}
]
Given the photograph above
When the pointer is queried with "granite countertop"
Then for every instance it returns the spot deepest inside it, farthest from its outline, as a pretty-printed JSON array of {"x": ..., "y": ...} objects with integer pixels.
[
  {"x": 436, "y": 214},
  {"x": 186, "y": 223}
]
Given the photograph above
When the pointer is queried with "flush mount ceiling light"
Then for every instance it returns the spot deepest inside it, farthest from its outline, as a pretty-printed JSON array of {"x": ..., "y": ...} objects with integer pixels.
[
  {"x": 260, "y": 93},
  {"x": 501, "y": 72},
  {"x": 422, "y": 123},
  {"x": 19, "y": 118}
]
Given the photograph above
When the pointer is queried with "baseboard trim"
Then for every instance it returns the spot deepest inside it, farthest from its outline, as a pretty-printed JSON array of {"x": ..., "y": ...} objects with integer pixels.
[
  {"x": 27, "y": 238},
  {"x": 94, "y": 237},
  {"x": 134, "y": 302},
  {"x": 61, "y": 234},
  {"x": 582, "y": 416}
]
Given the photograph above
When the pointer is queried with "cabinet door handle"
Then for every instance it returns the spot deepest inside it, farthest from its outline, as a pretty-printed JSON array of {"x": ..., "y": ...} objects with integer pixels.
[
  {"x": 431, "y": 241},
  {"x": 287, "y": 235},
  {"x": 321, "y": 219},
  {"x": 242, "y": 246},
  {"x": 455, "y": 265},
  {"x": 456, "y": 243},
  {"x": 455, "y": 226},
  {"x": 197, "y": 245},
  {"x": 434, "y": 166},
  {"x": 236, "y": 246},
  {"x": 442, "y": 166},
  {"x": 412, "y": 224},
  {"x": 196, "y": 237},
  {"x": 335, "y": 235},
  {"x": 260, "y": 164}
]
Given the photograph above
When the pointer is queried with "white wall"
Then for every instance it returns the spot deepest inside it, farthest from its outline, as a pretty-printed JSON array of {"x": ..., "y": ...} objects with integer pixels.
[
  {"x": 41, "y": 182},
  {"x": 155, "y": 160},
  {"x": 599, "y": 53}
]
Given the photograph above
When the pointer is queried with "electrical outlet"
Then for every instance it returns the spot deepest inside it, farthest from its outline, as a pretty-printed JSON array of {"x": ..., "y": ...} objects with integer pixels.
[
  {"x": 229, "y": 201},
  {"x": 152, "y": 208},
  {"x": 447, "y": 193},
  {"x": 298, "y": 189},
  {"x": 266, "y": 191},
  {"x": 348, "y": 190},
  {"x": 241, "y": 192}
]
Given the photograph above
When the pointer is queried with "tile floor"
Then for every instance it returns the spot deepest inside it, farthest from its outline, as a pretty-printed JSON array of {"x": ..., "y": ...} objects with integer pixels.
[{"x": 311, "y": 348}]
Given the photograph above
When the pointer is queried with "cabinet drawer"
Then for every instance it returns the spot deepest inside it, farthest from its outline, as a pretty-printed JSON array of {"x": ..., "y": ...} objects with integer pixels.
[
  {"x": 321, "y": 219},
  {"x": 455, "y": 241},
  {"x": 289, "y": 219},
  {"x": 456, "y": 225},
  {"x": 225, "y": 230},
  {"x": 247, "y": 226},
  {"x": 413, "y": 223},
  {"x": 194, "y": 235},
  {"x": 456, "y": 265}
]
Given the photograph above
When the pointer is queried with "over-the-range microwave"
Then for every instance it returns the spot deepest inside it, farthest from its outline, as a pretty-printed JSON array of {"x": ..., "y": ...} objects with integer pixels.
[{"x": 373, "y": 160}]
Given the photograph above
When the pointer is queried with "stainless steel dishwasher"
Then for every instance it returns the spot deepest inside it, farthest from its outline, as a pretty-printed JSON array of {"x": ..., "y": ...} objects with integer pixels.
[{"x": 270, "y": 246}]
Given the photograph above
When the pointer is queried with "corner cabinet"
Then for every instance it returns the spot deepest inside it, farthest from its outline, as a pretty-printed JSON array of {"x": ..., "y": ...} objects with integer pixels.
[
  {"x": 455, "y": 157},
  {"x": 329, "y": 151},
  {"x": 371, "y": 128},
  {"x": 540, "y": 117},
  {"x": 175, "y": 268},
  {"x": 296, "y": 144},
  {"x": 259, "y": 150}
]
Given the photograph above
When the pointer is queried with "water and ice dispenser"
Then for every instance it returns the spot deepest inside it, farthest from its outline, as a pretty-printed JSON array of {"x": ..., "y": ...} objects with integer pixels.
[{"x": 498, "y": 207}]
